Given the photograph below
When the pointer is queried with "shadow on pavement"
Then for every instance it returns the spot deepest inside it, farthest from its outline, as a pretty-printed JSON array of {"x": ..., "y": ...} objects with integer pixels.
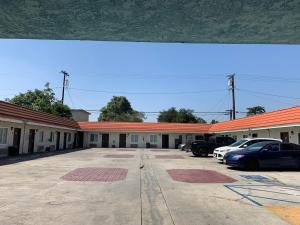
[
  {"x": 38, "y": 155},
  {"x": 192, "y": 156},
  {"x": 266, "y": 169}
]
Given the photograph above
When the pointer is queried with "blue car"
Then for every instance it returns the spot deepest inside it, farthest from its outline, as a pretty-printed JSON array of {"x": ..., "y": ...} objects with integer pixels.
[{"x": 270, "y": 154}]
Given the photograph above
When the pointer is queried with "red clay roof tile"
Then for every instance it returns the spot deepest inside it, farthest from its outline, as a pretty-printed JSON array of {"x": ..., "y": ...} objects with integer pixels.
[
  {"x": 12, "y": 111},
  {"x": 136, "y": 126},
  {"x": 275, "y": 118}
]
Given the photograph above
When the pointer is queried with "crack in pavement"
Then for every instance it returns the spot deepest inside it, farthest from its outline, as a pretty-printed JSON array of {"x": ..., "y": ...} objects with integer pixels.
[{"x": 154, "y": 208}]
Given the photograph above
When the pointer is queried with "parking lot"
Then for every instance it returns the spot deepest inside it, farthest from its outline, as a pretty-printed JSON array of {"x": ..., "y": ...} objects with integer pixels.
[{"x": 143, "y": 186}]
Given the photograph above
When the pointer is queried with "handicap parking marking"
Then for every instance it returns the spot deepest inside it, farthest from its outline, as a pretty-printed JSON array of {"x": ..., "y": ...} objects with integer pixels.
[
  {"x": 257, "y": 178},
  {"x": 268, "y": 195}
]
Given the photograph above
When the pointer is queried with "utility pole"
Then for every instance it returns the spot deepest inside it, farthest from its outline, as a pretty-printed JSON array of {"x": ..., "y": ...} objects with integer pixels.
[
  {"x": 64, "y": 85},
  {"x": 231, "y": 87},
  {"x": 229, "y": 112}
]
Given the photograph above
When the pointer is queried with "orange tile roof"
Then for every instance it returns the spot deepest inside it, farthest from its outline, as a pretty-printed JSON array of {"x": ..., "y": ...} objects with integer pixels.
[
  {"x": 275, "y": 118},
  {"x": 12, "y": 111},
  {"x": 135, "y": 126}
]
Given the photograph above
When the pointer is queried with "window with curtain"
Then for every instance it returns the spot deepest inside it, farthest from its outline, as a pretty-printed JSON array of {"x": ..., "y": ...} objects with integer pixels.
[
  {"x": 134, "y": 138},
  {"x": 41, "y": 136},
  {"x": 3, "y": 136},
  {"x": 93, "y": 137},
  {"x": 153, "y": 138}
]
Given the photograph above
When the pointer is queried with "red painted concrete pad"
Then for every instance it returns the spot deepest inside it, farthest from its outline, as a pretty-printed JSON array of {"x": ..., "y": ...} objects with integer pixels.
[
  {"x": 123, "y": 156},
  {"x": 199, "y": 176},
  {"x": 96, "y": 174},
  {"x": 169, "y": 157}
]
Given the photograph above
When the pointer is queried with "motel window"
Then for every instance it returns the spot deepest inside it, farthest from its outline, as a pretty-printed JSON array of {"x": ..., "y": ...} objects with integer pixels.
[
  {"x": 94, "y": 138},
  {"x": 254, "y": 135},
  {"x": 199, "y": 137},
  {"x": 69, "y": 137},
  {"x": 51, "y": 138},
  {"x": 245, "y": 136},
  {"x": 41, "y": 136},
  {"x": 3, "y": 136},
  {"x": 134, "y": 138},
  {"x": 153, "y": 138}
]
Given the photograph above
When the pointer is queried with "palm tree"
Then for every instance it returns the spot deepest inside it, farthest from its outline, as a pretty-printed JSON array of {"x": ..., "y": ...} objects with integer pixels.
[{"x": 255, "y": 110}]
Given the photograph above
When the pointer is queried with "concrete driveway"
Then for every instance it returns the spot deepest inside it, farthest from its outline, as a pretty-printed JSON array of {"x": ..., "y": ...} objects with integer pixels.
[{"x": 109, "y": 186}]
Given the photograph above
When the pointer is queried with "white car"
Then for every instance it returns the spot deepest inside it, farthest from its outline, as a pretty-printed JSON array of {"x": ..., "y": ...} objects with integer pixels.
[{"x": 239, "y": 145}]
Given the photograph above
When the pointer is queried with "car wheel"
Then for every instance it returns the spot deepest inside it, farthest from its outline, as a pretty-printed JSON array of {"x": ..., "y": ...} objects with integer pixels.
[
  {"x": 252, "y": 165},
  {"x": 196, "y": 154},
  {"x": 204, "y": 154}
]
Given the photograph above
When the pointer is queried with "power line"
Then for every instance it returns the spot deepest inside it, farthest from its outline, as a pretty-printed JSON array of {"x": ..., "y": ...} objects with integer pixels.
[
  {"x": 242, "y": 76},
  {"x": 158, "y": 112},
  {"x": 268, "y": 98},
  {"x": 268, "y": 94},
  {"x": 184, "y": 76},
  {"x": 71, "y": 100},
  {"x": 148, "y": 93},
  {"x": 268, "y": 78}
]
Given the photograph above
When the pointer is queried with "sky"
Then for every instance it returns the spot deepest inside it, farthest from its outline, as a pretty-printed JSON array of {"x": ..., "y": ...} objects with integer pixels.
[{"x": 154, "y": 76}]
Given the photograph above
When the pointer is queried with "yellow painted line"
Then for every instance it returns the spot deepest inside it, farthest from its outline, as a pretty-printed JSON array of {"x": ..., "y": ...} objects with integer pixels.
[{"x": 291, "y": 214}]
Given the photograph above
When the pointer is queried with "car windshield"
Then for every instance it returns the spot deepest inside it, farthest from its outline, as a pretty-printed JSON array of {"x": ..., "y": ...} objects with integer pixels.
[
  {"x": 256, "y": 146},
  {"x": 238, "y": 143}
]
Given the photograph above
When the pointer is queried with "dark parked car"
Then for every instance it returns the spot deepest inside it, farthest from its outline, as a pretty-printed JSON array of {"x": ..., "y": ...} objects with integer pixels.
[
  {"x": 204, "y": 148},
  {"x": 184, "y": 147},
  {"x": 273, "y": 154}
]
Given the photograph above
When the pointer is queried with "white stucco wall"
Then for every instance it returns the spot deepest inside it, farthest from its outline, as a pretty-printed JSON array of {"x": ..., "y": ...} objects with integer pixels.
[
  {"x": 80, "y": 115},
  {"x": 143, "y": 139},
  {"x": 272, "y": 133},
  {"x": 24, "y": 140}
]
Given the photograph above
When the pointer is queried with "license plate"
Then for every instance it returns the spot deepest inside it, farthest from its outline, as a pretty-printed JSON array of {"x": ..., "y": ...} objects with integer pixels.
[{"x": 224, "y": 161}]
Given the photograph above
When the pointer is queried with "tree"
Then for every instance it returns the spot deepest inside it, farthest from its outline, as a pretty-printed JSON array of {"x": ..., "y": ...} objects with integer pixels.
[
  {"x": 42, "y": 100},
  {"x": 119, "y": 109},
  {"x": 255, "y": 110},
  {"x": 173, "y": 115},
  {"x": 59, "y": 109},
  {"x": 168, "y": 116}
]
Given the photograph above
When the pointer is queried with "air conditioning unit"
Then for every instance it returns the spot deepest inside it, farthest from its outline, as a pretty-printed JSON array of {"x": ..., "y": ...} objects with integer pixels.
[
  {"x": 40, "y": 148},
  {"x": 93, "y": 145}
]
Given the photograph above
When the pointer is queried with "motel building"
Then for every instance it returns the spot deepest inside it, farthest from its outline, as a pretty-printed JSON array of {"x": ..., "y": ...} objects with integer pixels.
[{"x": 26, "y": 131}]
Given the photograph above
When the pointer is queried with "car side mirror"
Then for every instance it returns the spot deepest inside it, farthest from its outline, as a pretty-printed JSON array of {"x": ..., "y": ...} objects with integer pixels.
[
  {"x": 265, "y": 150},
  {"x": 244, "y": 146}
]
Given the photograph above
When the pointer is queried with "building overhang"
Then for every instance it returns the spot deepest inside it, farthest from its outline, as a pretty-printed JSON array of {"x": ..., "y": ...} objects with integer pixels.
[
  {"x": 184, "y": 21},
  {"x": 26, "y": 122},
  {"x": 143, "y": 131}
]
